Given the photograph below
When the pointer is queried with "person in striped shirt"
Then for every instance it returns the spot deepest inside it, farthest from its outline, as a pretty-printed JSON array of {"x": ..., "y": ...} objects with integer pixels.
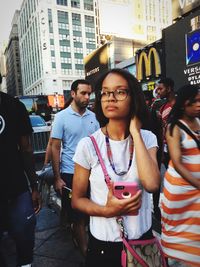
[{"x": 181, "y": 198}]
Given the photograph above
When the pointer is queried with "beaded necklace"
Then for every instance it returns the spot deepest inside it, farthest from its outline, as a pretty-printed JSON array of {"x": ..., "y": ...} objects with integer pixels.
[{"x": 110, "y": 157}]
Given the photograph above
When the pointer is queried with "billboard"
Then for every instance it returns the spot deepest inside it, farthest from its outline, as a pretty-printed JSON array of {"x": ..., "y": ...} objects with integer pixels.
[
  {"x": 149, "y": 65},
  {"x": 56, "y": 101},
  {"x": 118, "y": 27},
  {"x": 182, "y": 50},
  {"x": 181, "y": 7},
  {"x": 96, "y": 62}
]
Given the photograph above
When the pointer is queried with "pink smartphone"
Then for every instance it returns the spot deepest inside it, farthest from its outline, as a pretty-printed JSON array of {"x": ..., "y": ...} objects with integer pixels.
[{"x": 125, "y": 189}]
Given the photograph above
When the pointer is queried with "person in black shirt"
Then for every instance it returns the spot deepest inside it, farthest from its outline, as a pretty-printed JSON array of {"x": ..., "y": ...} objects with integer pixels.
[{"x": 18, "y": 204}]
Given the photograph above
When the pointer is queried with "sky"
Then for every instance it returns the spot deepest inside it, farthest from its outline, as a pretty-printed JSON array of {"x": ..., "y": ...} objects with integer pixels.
[{"x": 7, "y": 10}]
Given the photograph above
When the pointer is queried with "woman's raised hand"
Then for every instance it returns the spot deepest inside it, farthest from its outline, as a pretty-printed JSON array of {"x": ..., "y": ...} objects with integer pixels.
[{"x": 135, "y": 125}]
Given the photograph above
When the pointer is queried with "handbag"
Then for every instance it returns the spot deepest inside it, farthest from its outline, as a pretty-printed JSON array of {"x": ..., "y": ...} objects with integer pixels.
[{"x": 145, "y": 253}]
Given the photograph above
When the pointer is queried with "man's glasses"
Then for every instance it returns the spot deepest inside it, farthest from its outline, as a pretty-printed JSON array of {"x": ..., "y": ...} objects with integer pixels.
[{"x": 119, "y": 94}]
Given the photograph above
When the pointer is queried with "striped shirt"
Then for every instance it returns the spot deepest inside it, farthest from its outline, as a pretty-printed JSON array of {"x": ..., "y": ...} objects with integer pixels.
[{"x": 181, "y": 207}]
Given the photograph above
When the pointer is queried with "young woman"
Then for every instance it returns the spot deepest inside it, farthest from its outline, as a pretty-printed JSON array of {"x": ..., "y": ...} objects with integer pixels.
[
  {"x": 181, "y": 202},
  {"x": 129, "y": 155}
]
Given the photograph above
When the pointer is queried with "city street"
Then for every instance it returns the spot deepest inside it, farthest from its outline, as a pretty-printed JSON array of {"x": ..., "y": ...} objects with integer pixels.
[{"x": 53, "y": 245}]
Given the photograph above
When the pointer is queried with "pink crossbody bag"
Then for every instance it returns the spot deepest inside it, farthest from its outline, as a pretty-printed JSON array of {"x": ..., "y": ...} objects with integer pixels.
[{"x": 127, "y": 243}]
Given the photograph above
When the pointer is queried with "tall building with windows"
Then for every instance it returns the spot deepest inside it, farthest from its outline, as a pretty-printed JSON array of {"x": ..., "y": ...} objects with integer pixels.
[
  {"x": 55, "y": 36},
  {"x": 3, "y": 85},
  {"x": 13, "y": 66}
]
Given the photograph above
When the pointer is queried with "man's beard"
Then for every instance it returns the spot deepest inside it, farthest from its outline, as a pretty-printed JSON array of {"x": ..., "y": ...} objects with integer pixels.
[{"x": 81, "y": 105}]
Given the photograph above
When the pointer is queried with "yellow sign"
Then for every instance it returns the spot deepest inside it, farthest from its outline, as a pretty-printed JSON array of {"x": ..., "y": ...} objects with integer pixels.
[
  {"x": 151, "y": 86},
  {"x": 146, "y": 59}
]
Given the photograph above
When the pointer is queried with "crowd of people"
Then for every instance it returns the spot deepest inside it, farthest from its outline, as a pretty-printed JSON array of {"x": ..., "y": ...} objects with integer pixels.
[{"x": 106, "y": 166}]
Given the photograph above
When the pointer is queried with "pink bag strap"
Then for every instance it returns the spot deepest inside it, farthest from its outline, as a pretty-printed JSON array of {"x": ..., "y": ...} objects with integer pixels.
[
  {"x": 125, "y": 242},
  {"x": 107, "y": 177}
]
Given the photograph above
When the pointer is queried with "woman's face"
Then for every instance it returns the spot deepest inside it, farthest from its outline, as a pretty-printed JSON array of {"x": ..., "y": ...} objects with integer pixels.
[
  {"x": 193, "y": 109},
  {"x": 115, "y": 99}
]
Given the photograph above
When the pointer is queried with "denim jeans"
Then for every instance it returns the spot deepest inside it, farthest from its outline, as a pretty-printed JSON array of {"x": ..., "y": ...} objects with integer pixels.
[{"x": 18, "y": 219}]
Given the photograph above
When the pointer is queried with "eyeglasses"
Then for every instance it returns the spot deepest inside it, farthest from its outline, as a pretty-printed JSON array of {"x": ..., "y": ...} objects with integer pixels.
[{"x": 119, "y": 94}]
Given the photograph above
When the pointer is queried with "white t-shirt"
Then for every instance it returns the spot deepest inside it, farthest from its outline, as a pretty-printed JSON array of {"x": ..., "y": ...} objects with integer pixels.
[{"x": 107, "y": 229}]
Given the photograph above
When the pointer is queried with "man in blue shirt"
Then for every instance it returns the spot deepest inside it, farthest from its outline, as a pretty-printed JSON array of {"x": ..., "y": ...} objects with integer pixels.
[{"x": 70, "y": 125}]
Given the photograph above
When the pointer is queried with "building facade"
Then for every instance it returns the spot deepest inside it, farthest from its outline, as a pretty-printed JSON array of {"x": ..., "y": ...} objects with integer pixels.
[
  {"x": 12, "y": 55},
  {"x": 55, "y": 36},
  {"x": 3, "y": 86}
]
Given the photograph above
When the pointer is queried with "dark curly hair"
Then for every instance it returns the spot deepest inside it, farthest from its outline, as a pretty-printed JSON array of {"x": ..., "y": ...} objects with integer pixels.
[
  {"x": 186, "y": 92},
  {"x": 138, "y": 105}
]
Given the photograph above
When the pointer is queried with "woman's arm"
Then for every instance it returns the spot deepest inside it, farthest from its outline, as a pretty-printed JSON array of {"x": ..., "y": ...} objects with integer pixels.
[
  {"x": 176, "y": 157},
  {"x": 146, "y": 161},
  {"x": 113, "y": 207}
]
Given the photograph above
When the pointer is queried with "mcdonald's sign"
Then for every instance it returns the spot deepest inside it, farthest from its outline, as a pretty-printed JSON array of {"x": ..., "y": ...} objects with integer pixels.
[{"x": 148, "y": 64}]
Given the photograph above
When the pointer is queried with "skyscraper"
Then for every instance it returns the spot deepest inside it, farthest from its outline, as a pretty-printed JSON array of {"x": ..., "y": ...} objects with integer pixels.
[
  {"x": 54, "y": 36},
  {"x": 12, "y": 55}
]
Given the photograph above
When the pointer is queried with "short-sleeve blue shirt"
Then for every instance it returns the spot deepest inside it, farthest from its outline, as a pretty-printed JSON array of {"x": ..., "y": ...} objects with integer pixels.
[{"x": 70, "y": 127}]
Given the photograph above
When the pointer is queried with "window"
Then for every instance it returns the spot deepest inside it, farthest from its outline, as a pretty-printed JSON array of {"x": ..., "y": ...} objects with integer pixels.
[
  {"x": 63, "y": 32},
  {"x": 78, "y": 50},
  {"x": 63, "y": 37},
  {"x": 90, "y": 35},
  {"x": 64, "y": 42},
  {"x": 65, "y": 60},
  {"x": 66, "y": 66},
  {"x": 78, "y": 44},
  {"x": 77, "y": 39},
  {"x": 65, "y": 49},
  {"x": 62, "y": 2},
  {"x": 62, "y": 17},
  {"x": 91, "y": 46},
  {"x": 90, "y": 40},
  {"x": 65, "y": 54},
  {"x": 76, "y": 19},
  {"x": 89, "y": 30},
  {"x": 75, "y": 4},
  {"x": 76, "y": 28},
  {"x": 77, "y": 33},
  {"x": 80, "y": 72},
  {"x": 53, "y": 65},
  {"x": 66, "y": 71},
  {"x": 88, "y": 5},
  {"x": 63, "y": 26},
  {"x": 89, "y": 21},
  {"x": 78, "y": 55},
  {"x": 66, "y": 84},
  {"x": 79, "y": 67}
]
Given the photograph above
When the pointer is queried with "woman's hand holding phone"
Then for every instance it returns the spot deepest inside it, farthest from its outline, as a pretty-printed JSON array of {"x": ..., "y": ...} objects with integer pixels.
[{"x": 124, "y": 206}]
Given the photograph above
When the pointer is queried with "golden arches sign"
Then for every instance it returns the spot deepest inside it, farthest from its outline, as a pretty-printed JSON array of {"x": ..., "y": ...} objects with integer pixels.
[{"x": 146, "y": 58}]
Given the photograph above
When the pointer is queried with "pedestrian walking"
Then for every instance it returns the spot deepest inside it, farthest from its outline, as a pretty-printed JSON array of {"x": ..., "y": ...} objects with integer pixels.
[
  {"x": 165, "y": 90},
  {"x": 180, "y": 204},
  {"x": 69, "y": 126},
  {"x": 18, "y": 204}
]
